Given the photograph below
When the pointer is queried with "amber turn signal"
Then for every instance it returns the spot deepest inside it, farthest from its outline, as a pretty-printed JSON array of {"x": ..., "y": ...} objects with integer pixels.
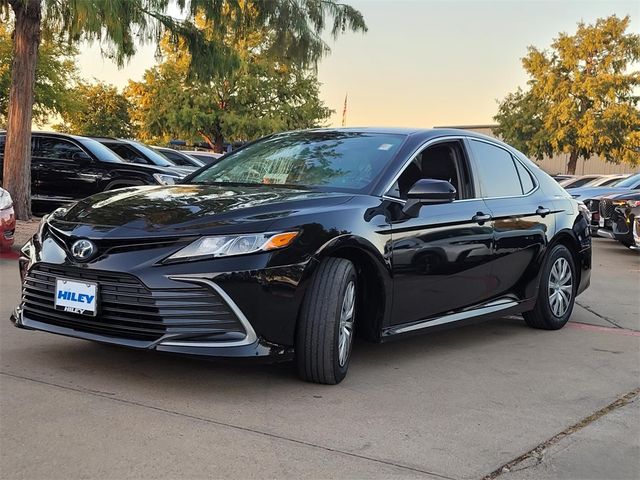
[{"x": 280, "y": 240}]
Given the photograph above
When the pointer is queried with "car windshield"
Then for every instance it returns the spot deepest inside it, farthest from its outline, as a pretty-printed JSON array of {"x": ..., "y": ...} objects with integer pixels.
[
  {"x": 631, "y": 182},
  {"x": 154, "y": 156},
  {"x": 102, "y": 152},
  {"x": 331, "y": 159}
]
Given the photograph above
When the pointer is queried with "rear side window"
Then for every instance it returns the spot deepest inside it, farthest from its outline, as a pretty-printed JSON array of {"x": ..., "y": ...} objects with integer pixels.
[
  {"x": 55, "y": 148},
  {"x": 525, "y": 178},
  {"x": 496, "y": 170}
]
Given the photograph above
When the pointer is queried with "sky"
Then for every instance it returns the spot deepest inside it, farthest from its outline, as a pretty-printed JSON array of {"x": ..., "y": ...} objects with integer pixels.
[{"x": 422, "y": 63}]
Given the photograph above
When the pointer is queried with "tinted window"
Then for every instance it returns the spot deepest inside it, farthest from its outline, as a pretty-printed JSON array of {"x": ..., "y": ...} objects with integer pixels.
[
  {"x": 2, "y": 140},
  {"x": 48, "y": 147},
  {"x": 128, "y": 153},
  {"x": 525, "y": 178},
  {"x": 334, "y": 159},
  {"x": 174, "y": 157},
  {"x": 496, "y": 170}
]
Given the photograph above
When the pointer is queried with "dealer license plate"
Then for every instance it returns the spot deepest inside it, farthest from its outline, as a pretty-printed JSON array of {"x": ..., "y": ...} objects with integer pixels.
[{"x": 76, "y": 297}]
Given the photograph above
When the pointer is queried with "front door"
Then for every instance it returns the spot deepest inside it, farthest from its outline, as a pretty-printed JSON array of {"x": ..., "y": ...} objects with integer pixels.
[
  {"x": 441, "y": 258},
  {"x": 64, "y": 172}
]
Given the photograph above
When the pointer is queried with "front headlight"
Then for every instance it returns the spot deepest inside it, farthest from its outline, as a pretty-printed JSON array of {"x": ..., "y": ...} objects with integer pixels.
[
  {"x": 163, "y": 179},
  {"x": 633, "y": 203},
  {"x": 229, "y": 245}
]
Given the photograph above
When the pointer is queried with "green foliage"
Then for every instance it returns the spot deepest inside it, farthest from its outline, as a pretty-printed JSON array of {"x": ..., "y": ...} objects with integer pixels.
[
  {"x": 100, "y": 111},
  {"x": 582, "y": 97},
  {"x": 261, "y": 96},
  {"x": 121, "y": 25},
  {"x": 56, "y": 73}
]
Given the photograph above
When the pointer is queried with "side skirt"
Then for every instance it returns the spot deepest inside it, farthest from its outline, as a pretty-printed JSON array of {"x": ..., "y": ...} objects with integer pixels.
[{"x": 493, "y": 309}]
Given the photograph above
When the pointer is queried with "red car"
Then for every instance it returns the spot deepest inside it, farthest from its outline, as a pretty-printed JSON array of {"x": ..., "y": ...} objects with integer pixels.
[{"x": 7, "y": 221}]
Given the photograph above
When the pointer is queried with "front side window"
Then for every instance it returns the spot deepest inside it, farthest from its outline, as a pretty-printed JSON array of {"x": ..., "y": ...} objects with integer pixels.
[
  {"x": 496, "y": 170},
  {"x": 56, "y": 148},
  {"x": 348, "y": 161},
  {"x": 443, "y": 161}
]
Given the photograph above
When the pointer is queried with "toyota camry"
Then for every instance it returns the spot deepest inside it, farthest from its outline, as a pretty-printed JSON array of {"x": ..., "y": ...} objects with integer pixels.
[{"x": 290, "y": 245}]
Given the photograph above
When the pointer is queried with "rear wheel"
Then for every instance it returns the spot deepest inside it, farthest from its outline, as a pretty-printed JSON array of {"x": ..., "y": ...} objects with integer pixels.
[
  {"x": 556, "y": 295},
  {"x": 326, "y": 325}
]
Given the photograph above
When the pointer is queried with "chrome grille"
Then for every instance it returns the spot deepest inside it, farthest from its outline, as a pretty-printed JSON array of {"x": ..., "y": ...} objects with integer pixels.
[
  {"x": 606, "y": 208},
  {"x": 128, "y": 309}
]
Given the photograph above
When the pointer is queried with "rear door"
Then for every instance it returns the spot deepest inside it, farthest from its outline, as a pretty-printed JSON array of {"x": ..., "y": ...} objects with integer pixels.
[{"x": 521, "y": 215}]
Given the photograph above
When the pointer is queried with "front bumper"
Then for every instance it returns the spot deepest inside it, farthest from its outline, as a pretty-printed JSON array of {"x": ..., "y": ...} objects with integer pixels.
[
  {"x": 233, "y": 307},
  {"x": 259, "y": 348}
]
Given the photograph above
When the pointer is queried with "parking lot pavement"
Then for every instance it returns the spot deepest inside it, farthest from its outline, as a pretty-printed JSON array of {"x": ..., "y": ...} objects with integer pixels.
[{"x": 454, "y": 404}]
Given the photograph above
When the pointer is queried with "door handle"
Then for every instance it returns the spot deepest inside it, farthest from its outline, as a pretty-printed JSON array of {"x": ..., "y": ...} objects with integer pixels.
[
  {"x": 481, "y": 217},
  {"x": 542, "y": 211}
]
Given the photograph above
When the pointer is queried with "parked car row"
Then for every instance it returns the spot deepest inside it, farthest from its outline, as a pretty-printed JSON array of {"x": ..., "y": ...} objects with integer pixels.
[
  {"x": 595, "y": 180},
  {"x": 67, "y": 168},
  {"x": 614, "y": 210}
]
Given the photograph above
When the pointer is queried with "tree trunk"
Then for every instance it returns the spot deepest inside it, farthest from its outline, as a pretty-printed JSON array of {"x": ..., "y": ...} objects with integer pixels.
[
  {"x": 17, "y": 150},
  {"x": 209, "y": 141},
  {"x": 573, "y": 160}
]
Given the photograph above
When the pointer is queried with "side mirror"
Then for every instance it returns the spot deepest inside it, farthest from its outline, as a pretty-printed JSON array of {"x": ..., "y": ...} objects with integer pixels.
[
  {"x": 81, "y": 157},
  {"x": 428, "y": 192}
]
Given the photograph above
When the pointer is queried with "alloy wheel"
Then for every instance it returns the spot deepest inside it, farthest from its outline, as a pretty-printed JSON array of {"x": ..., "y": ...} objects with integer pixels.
[
  {"x": 560, "y": 287},
  {"x": 345, "y": 335}
]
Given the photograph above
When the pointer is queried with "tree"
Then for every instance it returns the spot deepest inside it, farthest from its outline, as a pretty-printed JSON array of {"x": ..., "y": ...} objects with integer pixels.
[
  {"x": 119, "y": 25},
  {"x": 262, "y": 96},
  {"x": 100, "y": 111},
  {"x": 56, "y": 73},
  {"x": 581, "y": 99}
]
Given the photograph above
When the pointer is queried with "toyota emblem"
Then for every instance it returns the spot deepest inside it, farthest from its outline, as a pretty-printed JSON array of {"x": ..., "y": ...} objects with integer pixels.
[{"x": 83, "y": 250}]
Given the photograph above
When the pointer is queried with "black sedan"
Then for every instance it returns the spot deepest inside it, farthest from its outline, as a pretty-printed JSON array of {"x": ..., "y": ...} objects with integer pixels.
[{"x": 291, "y": 244}]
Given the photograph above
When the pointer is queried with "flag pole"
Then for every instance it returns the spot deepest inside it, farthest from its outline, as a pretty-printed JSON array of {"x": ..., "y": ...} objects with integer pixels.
[{"x": 344, "y": 111}]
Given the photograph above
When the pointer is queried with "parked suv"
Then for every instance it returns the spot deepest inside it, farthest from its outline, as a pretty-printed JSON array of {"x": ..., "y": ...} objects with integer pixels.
[
  {"x": 136, "y": 152},
  {"x": 66, "y": 168}
]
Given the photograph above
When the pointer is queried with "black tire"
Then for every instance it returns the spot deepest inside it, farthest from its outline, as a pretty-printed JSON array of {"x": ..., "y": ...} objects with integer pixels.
[
  {"x": 543, "y": 315},
  {"x": 318, "y": 334}
]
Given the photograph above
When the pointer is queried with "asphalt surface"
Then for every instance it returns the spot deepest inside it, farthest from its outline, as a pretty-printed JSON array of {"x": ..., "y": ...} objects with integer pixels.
[{"x": 495, "y": 400}]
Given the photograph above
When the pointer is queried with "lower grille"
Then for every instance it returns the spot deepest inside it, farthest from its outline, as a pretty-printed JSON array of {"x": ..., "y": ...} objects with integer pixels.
[
  {"x": 128, "y": 309},
  {"x": 606, "y": 208}
]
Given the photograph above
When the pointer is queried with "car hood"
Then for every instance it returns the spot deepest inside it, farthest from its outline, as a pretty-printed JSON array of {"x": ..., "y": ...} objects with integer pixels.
[
  {"x": 592, "y": 192},
  {"x": 189, "y": 210},
  {"x": 183, "y": 171}
]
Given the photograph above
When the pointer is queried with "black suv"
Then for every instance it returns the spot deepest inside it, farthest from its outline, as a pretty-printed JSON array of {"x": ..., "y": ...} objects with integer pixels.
[
  {"x": 65, "y": 168},
  {"x": 136, "y": 152}
]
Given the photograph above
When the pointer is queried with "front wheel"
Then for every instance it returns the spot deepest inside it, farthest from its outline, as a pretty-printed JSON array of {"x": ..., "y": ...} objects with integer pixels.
[
  {"x": 557, "y": 292},
  {"x": 326, "y": 325}
]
